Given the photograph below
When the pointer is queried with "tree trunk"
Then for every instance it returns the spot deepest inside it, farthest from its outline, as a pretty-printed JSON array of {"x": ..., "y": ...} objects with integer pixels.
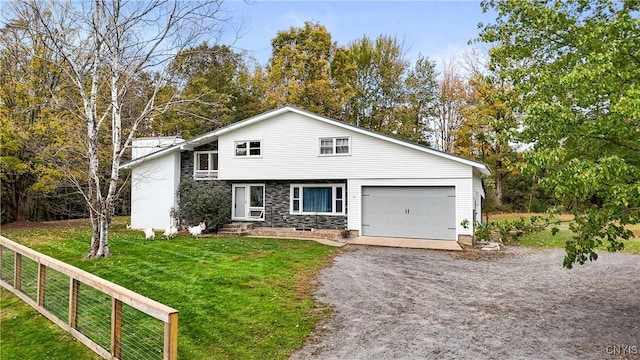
[
  {"x": 100, "y": 242},
  {"x": 498, "y": 181}
]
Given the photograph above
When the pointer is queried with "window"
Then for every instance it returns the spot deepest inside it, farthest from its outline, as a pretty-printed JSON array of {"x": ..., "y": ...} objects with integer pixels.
[
  {"x": 256, "y": 202},
  {"x": 205, "y": 165},
  {"x": 325, "y": 199},
  {"x": 335, "y": 146},
  {"x": 248, "y": 148}
]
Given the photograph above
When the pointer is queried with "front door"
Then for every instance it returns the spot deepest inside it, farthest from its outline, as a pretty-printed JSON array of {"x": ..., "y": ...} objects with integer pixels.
[
  {"x": 239, "y": 202},
  {"x": 248, "y": 202}
]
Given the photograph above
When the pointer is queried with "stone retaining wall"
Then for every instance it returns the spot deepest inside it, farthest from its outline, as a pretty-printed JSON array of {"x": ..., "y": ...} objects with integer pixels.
[{"x": 327, "y": 234}]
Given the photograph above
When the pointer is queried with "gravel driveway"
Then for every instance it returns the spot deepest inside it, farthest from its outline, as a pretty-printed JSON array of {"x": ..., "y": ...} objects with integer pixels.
[{"x": 519, "y": 304}]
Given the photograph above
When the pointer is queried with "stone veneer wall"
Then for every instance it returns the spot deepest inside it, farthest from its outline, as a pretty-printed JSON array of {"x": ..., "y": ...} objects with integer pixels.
[
  {"x": 277, "y": 208},
  {"x": 186, "y": 167}
]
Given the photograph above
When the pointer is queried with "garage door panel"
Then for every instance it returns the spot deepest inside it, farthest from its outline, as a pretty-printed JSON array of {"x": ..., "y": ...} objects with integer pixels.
[{"x": 412, "y": 212}]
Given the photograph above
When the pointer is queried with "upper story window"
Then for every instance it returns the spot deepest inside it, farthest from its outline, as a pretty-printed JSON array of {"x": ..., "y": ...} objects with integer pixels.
[
  {"x": 335, "y": 146},
  {"x": 248, "y": 148},
  {"x": 205, "y": 165}
]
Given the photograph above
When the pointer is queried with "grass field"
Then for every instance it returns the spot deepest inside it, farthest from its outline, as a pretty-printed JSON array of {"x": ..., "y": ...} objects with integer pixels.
[
  {"x": 544, "y": 238},
  {"x": 238, "y": 298}
]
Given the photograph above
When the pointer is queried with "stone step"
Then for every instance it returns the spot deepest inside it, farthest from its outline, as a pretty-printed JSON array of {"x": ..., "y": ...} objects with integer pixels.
[
  {"x": 237, "y": 225},
  {"x": 235, "y": 229},
  {"x": 224, "y": 232}
]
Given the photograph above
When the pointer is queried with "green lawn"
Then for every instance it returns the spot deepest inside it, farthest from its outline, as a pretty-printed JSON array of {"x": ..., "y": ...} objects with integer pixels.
[
  {"x": 544, "y": 239},
  {"x": 25, "y": 334},
  {"x": 238, "y": 298}
]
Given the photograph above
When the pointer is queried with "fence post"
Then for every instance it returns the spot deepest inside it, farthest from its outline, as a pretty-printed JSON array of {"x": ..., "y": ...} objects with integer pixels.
[
  {"x": 1, "y": 247},
  {"x": 171, "y": 337},
  {"x": 17, "y": 271},
  {"x": 42, "y": 283},
  {"x": 74, "y": 290},
  {"x": 116, "y": 327}
]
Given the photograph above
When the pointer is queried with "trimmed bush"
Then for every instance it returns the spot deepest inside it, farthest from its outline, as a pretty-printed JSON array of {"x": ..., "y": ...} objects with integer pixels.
[{"x": 198, "y": 200}]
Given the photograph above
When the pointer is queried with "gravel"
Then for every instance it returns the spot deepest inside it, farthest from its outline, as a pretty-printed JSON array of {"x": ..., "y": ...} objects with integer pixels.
[{"x": 394, "y": 303}]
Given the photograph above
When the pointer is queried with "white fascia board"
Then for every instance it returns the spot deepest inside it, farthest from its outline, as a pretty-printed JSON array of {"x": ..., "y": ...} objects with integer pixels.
[
  {"x": 206, "y": 138},
  {"x": 153, "y": 155}
]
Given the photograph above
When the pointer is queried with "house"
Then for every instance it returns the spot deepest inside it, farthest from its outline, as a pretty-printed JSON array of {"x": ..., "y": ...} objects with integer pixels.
[{"x": 289, "y": 168}]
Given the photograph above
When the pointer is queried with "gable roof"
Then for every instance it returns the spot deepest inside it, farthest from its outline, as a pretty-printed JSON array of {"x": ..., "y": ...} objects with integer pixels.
[{"x": 212, "y": 135}]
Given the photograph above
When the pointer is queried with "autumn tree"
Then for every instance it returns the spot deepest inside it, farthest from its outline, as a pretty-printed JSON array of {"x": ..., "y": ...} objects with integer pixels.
[
  {"x": 378, "y": 85},
  {"x": 447, "y": 117},
  {"x": 574, "y": 68},
  {"x": 421, "y": 95},
  {"x": 488, "y": 128},
  {"x": 33, "y": 128},
  {"x": 221, "y": 81},
  {"x": 105, "y": 47},
  {"x": 307, "y": 69}
]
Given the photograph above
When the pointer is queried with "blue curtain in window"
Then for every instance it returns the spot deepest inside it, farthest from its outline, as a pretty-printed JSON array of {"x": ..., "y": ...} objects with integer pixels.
[{"x": 317, "y": 199}]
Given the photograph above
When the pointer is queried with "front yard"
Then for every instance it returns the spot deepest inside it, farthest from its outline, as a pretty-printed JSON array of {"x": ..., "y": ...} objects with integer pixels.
[
  {"x": 237, "y": 297},
  {"x": 254, "y": 298}
]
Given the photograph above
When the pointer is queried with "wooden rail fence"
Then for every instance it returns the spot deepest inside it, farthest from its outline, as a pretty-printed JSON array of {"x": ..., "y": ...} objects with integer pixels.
[{"x": 32, "y": 288}]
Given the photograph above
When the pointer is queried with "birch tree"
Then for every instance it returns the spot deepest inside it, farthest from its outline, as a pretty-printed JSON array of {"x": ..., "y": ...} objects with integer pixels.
[{"x": 106, "y": 46}]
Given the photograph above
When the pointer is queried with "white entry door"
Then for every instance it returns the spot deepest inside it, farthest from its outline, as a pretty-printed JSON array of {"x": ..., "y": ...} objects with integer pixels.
[
  {"x": 248, "y": 202},
  {"x": 239, "y": 202}
]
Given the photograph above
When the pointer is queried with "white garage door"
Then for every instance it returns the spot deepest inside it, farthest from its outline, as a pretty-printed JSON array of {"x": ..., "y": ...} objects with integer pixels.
[{"x": 411, "y": 212}]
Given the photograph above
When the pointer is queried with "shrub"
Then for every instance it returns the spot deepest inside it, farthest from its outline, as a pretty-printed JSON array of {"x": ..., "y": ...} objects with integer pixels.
[
  {"x": 198, "y": 200},
  {"x": 512, "y": 231}
]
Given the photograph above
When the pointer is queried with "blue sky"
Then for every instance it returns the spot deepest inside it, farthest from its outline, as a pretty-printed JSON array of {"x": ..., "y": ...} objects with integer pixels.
[{"x": 439, "y": 30}]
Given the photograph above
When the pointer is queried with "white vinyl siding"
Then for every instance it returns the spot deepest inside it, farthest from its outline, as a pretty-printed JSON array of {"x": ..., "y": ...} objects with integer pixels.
[
  {"x": 205, "y": 165},
  {"x": 320, "y": 199},
  {"x": 153, "y": 188},
  {"x": 295, "y": 154}
]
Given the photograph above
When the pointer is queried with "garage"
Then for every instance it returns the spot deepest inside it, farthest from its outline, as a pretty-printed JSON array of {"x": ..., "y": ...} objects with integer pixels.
[{"x": 420, "y": 212}]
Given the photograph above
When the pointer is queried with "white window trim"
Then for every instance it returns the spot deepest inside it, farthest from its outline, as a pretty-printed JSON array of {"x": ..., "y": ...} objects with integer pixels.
[
  {"x": 334, "y": 147},
  {"x": 333, "y": 200},
  {"x": 235, "y": 146},
  {"x": 204, "y": 174}
]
